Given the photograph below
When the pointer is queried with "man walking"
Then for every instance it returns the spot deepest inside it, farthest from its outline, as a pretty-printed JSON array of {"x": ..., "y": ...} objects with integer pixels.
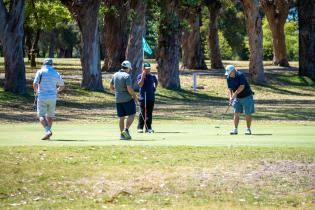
[
  {"x": 47, "y": 84},
  {"x": 240, "y": 97},
  {"x": 148, "y": 84},
  {"x": 125, "y": 98}
]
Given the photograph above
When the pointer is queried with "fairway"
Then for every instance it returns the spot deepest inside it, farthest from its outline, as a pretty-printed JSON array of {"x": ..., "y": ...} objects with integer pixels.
[{"x": 167, "y": 134}]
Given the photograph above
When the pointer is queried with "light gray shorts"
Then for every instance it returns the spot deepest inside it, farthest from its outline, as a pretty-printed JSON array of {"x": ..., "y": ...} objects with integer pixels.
[{"x": 46, "y": 108}]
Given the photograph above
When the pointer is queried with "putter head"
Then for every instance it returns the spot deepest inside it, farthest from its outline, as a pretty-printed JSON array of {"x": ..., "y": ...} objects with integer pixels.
[{"x": 217, "y": 126}]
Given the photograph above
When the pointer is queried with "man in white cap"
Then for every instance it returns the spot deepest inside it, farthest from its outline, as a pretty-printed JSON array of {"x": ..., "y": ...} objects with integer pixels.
[
  {"x": 47, "y": 84},
  {"x": 125, "y": 98},
  {"x": 240, "y": 97}
]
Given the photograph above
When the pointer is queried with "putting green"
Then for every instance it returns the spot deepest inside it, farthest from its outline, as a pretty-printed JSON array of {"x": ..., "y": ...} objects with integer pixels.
[{"x": 167, "y": 134}]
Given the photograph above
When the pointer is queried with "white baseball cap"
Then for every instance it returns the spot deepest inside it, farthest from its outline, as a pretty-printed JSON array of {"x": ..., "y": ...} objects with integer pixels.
[
  {"x": 48, "y": 61},
  {"x": 126, "y": 64},
  {"x": 229, "y": 69}
]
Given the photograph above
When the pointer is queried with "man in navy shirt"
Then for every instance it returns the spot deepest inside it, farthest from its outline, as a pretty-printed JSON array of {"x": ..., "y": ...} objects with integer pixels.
[
  {"x": 147, "y": 83},
  {"x": 240, "y": 97}
]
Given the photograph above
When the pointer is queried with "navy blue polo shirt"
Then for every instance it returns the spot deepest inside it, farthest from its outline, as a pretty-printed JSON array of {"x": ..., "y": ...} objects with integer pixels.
[
  {"x": 148, "y": 87},
  {"x": 234, "y": 83}
]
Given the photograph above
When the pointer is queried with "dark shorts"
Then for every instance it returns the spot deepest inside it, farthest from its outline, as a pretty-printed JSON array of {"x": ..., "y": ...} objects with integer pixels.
[{"x": 126, "y": 109}]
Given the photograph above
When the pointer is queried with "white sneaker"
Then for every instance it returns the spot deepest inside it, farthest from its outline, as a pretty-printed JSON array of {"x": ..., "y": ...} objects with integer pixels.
[
  {"x": 248, "y": 131},
  {"x": 234, "y": 131},
  {"x": 150, "y": 131},
  {"x": 140, "y": 131}
]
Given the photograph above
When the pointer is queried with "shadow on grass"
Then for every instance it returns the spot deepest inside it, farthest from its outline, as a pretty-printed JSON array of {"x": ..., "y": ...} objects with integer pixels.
[
  {"x": 169, "y": 132},
  {"x": 69, "y": 140}
]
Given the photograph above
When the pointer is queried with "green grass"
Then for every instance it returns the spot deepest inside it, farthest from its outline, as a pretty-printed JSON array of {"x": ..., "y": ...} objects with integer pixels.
[
  {"x": 129, "y": 177},
  {"x": 186, "y": 164},
  {"x": 167, "y": 134}
]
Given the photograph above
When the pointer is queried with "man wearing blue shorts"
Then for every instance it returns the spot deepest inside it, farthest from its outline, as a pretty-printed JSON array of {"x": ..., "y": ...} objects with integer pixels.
[
  {"x": 125, "y": 98},
  {"x": 240, "y": 97},
  {"x": 47, "y": 84}
]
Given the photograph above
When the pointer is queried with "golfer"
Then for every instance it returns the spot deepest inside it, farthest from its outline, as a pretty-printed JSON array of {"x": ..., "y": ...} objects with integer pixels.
[
  {"x": 125, "y": 98},
  {"x": 147, "y": 83},
  {"x": 47, "y": 84},
  {"x": 240, "y": 97}
]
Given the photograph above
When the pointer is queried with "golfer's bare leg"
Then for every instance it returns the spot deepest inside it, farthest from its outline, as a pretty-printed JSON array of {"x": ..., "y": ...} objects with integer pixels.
[
  {"x": 121, "y": 123},
  {"x": 236, "y": 119},
  {"x": 248, "y": 120},
  {"x": 43, "y": 121},
  {"x": 49, "y": 121},
  {"x": 130, "y": 120}
]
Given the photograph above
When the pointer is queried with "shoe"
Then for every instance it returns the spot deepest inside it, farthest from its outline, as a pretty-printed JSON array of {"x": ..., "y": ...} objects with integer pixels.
[
  {"x": 234, "y": 131},
  {"x": 140, "y": 130},
  {"x": 126, "y": 134},
  {"x": 47, "y": 135},
  {"x": 122, "y": 137},
  {"x": 150, "y": 131},
  {"x": 248, "y": 131}
]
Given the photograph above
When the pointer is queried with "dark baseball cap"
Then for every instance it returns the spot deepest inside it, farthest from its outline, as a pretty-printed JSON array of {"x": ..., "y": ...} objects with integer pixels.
[{"x": 146, "y": 66}]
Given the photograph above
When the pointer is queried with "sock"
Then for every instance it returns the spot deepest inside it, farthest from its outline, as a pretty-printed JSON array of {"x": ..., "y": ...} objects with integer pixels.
[{"x": 47, "y": 129}]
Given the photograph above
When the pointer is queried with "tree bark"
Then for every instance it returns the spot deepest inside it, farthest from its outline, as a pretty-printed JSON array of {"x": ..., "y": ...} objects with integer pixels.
[
  {"x": 254, "y": 30},
  {"x": 11, "y": 36},
  {"x": 192, "y": 53},
  {"x": 306, "y": 11},
  {"x": 213, "y": 39},
  {"x": 34, "y": 49},
  {"x": 85, "y": 13},
  {"x": 169, "y": 43},
  {"x": 115, "y": 33},
  {"x": 277, "y": 13},
  {"x": 52, "y": 44},
  {"x": 134, "y": 51}
]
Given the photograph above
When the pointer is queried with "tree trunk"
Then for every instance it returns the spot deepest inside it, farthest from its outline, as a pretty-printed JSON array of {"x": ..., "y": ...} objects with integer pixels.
[
  {"x": 306, "y": 11},
  {"x": 52, "y": 44},
  {"x": 168, "y": 52},
  {"x": 254, "y": 30},
  {"x": 192, "y": 53},
  {"x": 34, "y": 49},
  {"x": 213, "y": 39},
  {"x": 277, "y": 13},
  {"x": 134, "y": 51},
  {"x": 85, "y": 13},
  {"x": 28, "y": 42},
  {"x": 11, "y": 36},
  {"x": 115, "y": 34}
]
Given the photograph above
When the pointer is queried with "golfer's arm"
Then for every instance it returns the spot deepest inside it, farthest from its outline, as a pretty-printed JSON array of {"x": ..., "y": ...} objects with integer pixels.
[
  {"x": 60, "y": 88},
  {"x": 239, "y": 89},
  {"x": 35, "y": 88},
  {"x": 111, "y": 86},
  {"x": 141, "y": 82},
  {"x": 131, "y": 92},
  {"x": 230, "y": 93}
]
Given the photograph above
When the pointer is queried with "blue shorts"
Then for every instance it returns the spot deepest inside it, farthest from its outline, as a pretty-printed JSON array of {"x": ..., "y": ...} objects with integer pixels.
[
  {"x": 126, "y": 108},
  {"x": 247, "y": 104}
]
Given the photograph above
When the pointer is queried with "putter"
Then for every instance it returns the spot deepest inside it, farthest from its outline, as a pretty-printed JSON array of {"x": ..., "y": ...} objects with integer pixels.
[
  {"x": 145, "y": 110},
  {"x": 222, "y": 118},
  {"x": 142, "y": 116}
]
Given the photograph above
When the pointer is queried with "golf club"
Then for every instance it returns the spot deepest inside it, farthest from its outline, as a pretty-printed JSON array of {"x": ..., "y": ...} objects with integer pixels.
[
  {"x": 222, "y": 118},
  {"x": 142, "y": 116}
]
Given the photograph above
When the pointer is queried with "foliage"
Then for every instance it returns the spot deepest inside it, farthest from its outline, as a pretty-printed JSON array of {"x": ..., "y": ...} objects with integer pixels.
[
  {"x": 291, "y": 39},
  {"x": 232, "y": 23},
  {"x": 45, "y": 15},
  {"x": 267, "y": 40},
  {"x": 225, "y": 48}
]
